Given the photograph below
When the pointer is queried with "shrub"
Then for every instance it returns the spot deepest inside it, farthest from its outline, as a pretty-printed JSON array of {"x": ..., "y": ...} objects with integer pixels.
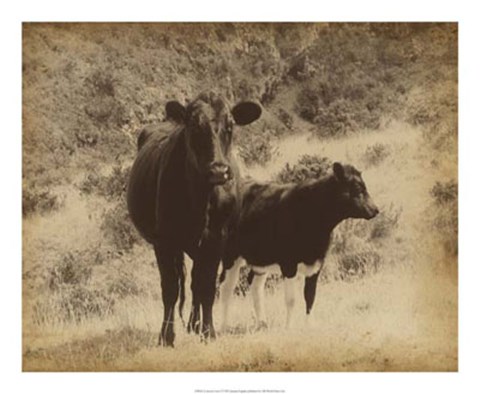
[
  {"x": 375, "y": 154},
  {"x": 285, "y": 118},
  {"x": 445, "y": 193},
  {"x": 308, "y": 167},
  {"x": 384, "y": 223},
  {"x": 123, "y": 286},
  {"x": 442, "y": 134},
  {"x": 307, "y": 105},
  {"x": 445, "y": 218},
  {"x": 257, "y": 147},
  {"x": 73, "y": 303},
  {"x": 39, "y": 201},
  {"x": 79, "y": 303},
  {"x": 118, "y": 228},
  {"x": 71, "y": 270},
  {"x": 111, "y": 186},
  {"x": 358, "y": 264},
  {"x": 86, "y": 138},
  {"x": 102, "y": 83},
  {"x": 106, "y": 111}
]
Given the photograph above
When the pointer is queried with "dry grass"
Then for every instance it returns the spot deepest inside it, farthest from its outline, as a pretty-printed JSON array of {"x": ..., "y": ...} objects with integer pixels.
[
  {"x": 403, "y": 317},
  {"x": 92, "y": 302}
]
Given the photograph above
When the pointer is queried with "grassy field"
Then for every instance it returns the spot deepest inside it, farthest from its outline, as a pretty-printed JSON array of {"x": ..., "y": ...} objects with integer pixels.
[{"x": 387, "y": 298}]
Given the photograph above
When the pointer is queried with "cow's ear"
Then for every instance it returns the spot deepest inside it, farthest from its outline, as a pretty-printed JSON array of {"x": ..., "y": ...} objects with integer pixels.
[
  {"x": 339, "y": 171},
  {"x": 175, "y": 111},
  {"x": 246, "y": 112}
]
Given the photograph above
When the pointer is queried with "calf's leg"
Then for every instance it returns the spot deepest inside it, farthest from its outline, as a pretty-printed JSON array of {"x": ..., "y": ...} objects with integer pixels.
[
  {"x": 227, "y": 287},
  {"x": 289, "y": 272},
  {"x": 309, "y": 291},
  {"x": 290, "y": 298},
  {"x": 258, "y": 292}
]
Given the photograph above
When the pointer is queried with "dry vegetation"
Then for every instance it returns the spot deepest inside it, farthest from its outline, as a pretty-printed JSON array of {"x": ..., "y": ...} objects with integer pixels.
[{"x": 380, "y": 96}]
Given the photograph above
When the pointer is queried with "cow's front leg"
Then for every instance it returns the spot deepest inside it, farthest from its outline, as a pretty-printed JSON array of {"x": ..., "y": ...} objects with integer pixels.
[
  {"x": 169, "y": 262},
  {"x": 207, "y": 263},
  {"x": 207, "y": 297}
]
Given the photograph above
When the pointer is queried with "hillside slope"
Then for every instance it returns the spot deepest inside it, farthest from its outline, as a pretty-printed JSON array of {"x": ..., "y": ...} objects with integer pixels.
[{"x": 382, "y": 97}]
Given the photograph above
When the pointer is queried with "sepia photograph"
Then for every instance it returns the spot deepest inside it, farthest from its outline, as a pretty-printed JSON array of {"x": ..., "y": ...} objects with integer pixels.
[{"x": 240, "y": 197}]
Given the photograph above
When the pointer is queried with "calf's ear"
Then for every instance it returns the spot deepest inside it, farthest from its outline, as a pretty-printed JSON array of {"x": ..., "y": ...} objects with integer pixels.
[
  {"x": 175, "y": 111},
  {"x": 246, "y": 112},
  {"x": 338, "y": 171}
]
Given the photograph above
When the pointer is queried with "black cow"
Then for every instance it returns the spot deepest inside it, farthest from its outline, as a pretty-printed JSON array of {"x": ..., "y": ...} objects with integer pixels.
[
  {"x": 181, "y": 195},
  {"x": 289, "y": 227}
]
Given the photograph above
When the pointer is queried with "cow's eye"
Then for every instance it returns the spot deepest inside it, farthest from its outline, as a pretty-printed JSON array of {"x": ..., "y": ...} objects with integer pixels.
[{"x": 357, "y": 189}]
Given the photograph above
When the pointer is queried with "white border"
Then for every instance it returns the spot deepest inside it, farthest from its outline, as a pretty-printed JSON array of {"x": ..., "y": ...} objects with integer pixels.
[{"x": 246, "y": 10}]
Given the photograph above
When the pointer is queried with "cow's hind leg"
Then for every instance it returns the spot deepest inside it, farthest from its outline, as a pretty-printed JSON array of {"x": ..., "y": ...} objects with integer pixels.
[
  {"x": 194, "y": 322},
  {"x": 169, "y": 264}
]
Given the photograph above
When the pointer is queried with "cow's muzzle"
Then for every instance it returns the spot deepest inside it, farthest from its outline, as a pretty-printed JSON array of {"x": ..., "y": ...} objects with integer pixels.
[{"x": 219, "y": 173}]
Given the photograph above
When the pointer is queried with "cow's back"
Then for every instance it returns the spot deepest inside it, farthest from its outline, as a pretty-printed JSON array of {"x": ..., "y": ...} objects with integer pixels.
[{"x": 156, "y": 161}]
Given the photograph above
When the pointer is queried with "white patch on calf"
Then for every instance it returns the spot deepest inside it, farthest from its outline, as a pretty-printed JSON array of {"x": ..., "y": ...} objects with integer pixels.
[
  {"x": 290, "y": 284},
  {"x": 308, "y": 270},
  {"x": 226, "y": 290},
  {"x": 269, "y": 269},
  {"x": 258, "y": 293}
]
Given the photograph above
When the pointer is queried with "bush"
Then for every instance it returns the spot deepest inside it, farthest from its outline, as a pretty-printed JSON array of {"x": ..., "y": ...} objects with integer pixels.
[
  {"x": 358, "y": 264},
  {"x": 308, "y": 167},
  {"x": 124, "y": 286},
  {"x": 73, "y": 303},
  {"x": 445, "y": 193},
  {"x": 111, "y": 186},
  {"x": 71, "y": 270},
  {"x": 39, "y": 201},
  {"x": 285, "y": 118},
  {"x": 339, "y": 110},
  {"x": 257, "y": 147},
  {"x": 375, "y": 154},
  {"x": 79, "y": 303},
  {"x": 384, "y": 223},
  {"x": 308, "y": 102},
  {"x": 445, "y": 217},
  {"x": 118, "y": 228}
]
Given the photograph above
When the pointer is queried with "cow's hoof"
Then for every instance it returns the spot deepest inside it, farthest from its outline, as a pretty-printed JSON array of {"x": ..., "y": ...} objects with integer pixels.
[
  {"x": 166, "y": 341},
  {"x": 193, "y": 328},
  {"x": 208, "y": 334}
]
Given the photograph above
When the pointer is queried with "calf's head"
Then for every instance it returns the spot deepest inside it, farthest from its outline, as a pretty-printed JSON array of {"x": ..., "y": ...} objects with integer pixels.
[
  {"x": 353, "y": 195},
  {"x": 209, "y": 124}
]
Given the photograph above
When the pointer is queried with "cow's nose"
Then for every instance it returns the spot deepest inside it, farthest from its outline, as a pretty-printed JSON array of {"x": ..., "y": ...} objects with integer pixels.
[
  {"x": 219, "y": 168},
  {"x": 219, "y": 172}
]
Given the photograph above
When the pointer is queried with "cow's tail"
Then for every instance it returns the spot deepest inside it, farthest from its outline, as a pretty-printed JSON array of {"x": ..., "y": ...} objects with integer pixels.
[{"x": 181, "y": 279}]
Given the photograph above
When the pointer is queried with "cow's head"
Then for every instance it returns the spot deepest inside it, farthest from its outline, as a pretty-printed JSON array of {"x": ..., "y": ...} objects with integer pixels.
[
  {"x": 209, "y": 124},
  {"x": 353, "y": 195}
]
